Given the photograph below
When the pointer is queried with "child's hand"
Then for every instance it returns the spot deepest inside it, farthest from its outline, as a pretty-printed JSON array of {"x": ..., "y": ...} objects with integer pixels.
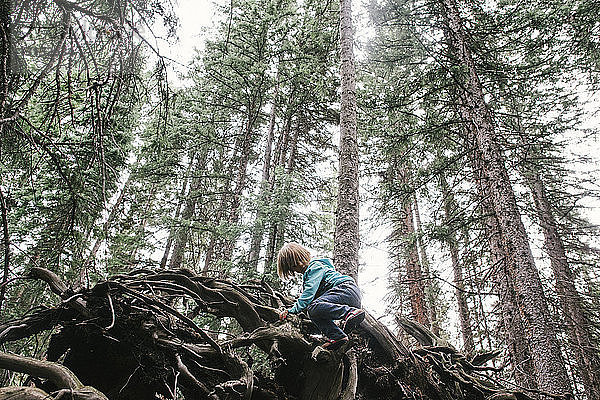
[{"x": 283, "y": 315}]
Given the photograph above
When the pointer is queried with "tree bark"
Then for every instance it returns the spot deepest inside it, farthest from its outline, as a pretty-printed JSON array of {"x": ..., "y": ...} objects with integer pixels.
[
  {"x": 430, "y": 287},
  {"x": 547, "y": 356},
  {"x": 403, "y": 240},
  {"x": 180, "y": 201},
  {"x": 577, "y": 324},
  {"x": 503, "y": 266},
  {"x": 5, "y": 55},
  {"x": 265, "y": 189},
  {"x": 5, "y": 247},
  {"x": 287, "y": 160},
  {"x": 183, "y": 231},
  {"x": 346, "y": 238},
  {"x": 461, "y": 301}
]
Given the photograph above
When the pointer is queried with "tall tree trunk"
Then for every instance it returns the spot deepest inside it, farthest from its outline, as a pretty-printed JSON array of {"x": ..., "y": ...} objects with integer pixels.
[
  {"x": 240, "y": 185},
  {"x": 503, "y": 266},
  {"x": 289, "y": 171},
  {"x": 414, "y": 274},
  {"x": 431, "y": 292},
  {"x": 208, "y": 256},
  {"x": 463, "y": 308},
  {"x": 180, "y": 201},
  {"x": 289, "y": 149},
  {"x": 461, "y": 301},
  {"x": 577, "y": 324},
  {"x": 346, "y": 238},
  {"x": 5, "y": 55},
  {"x": 286, "y": 160},
  {"x": 265, "y": 189},
  {"x": 271, "y": 247},
  {"x": 409, "y": 272},
  {"x": 514, "y": 329},
  {"x": 482, "y": 316},
  {"x": 182, "y": 233},
  {"x": 5, "y": 247},
  {"x": 169, "y": 244},
  {"x": 404, "y": 241},
  {"x": 221, "y": 246},
  {"x": 552, "y": 375},
  {"x": 5, "y": 76},
  {"x": 281, "y": 148}
]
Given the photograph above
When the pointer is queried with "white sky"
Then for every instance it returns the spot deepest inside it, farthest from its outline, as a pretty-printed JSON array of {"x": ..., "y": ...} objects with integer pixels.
[{"x": 195, "y": 20}]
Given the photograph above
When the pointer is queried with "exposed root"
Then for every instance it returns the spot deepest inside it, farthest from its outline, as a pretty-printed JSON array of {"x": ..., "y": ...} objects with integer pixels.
[{"x": 131, "y": 335}]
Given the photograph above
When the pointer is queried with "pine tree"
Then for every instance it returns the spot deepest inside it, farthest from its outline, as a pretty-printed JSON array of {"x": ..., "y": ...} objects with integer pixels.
[
  {"x": 346, "y": 227},
  {"x": 480, "y": 132}
]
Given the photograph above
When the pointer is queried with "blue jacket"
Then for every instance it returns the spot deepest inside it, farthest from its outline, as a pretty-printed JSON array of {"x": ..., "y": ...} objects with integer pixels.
[{"x": 320, "y": 276}]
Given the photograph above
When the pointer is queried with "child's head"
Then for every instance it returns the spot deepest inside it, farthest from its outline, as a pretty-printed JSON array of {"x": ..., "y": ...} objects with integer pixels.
[{"x": 292, "y": 258}]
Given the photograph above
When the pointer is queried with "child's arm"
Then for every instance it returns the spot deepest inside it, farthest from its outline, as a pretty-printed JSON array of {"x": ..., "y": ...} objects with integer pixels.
[{"x": 315, "y": 275}]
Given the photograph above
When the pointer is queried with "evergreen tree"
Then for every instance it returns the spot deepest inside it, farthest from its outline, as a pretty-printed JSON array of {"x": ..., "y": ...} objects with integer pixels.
[{"x": 346, "y": 228}]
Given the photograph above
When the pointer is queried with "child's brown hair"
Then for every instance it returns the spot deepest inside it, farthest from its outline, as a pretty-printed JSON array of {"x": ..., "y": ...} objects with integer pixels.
[{"x": 290, "y": 255}]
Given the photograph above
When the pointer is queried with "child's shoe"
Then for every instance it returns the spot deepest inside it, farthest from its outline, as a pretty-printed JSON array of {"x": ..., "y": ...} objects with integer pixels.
[
  {"x": 353, "y": 320},
  {"x": 334, "y": 344}
]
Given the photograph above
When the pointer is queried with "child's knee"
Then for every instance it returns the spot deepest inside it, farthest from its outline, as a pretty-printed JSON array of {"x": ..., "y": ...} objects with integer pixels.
[{"x": 313, "y": 310}]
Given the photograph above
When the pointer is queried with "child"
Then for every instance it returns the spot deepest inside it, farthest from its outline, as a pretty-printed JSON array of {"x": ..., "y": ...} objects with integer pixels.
[{"x": 326, "y": 295}]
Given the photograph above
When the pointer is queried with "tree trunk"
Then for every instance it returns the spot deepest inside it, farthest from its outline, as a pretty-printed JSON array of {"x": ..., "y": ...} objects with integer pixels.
[
  {"x": 577, "y": 324},
  {"x": 282, "y": 145},
  {"x": 181, "y": 235},
  {"x": 265, "y": 189},
  {"x": 277, "y": 233},
  {"x": 5, "y": 55},
  {"x": 183, "y": 231},
  {"x": 461, "y": 301},
  {"x": 431, "y": 288},
  {"x": 5, "y": 248},
  {"x": 242, "y": 175},
  {"x": 280, "y": 161},
  {"x": 414, "y": 274},
  {"x": 412, "y": 277},
  {"x": 346, "y": 238},
  {"x": 481, "y": 317},
  {"x": 180, "y": 200},
  {"x": 405, "y": 245},
  {"x": 233, "y": 210},
  {"x": 503, "y": 267},
  {"x": 221, "y": 246},
  {"x": 552, "y": 375}
]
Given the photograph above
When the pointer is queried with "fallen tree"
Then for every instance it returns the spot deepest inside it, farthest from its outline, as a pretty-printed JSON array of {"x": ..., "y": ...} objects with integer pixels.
[{"x": 147, "y": 335}]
